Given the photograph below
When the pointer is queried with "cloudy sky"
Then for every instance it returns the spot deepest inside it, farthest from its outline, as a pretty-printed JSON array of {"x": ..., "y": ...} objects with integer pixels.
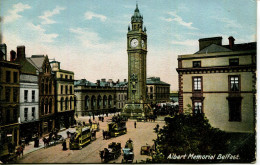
[{"x": 89, "y": 37}]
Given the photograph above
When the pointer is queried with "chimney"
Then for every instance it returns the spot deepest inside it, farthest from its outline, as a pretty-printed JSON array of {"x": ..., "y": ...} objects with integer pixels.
[
  {"x": 231, "y": 41},
  {"x": 103, "y": 80},
  {"x": 118, "y": 81},
  {"x": 20, "y": 52},
  {"x": 205, "y": 42},
  {"x": 124, "y": 80},
  {"x": 12, "y": 55},
  {"x": 3, "y": 49},
  {"x": 98, "y": 83}
]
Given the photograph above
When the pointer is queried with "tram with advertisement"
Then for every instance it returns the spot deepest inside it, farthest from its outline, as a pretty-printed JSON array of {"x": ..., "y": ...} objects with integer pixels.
[{"x": 81, "y": 137}]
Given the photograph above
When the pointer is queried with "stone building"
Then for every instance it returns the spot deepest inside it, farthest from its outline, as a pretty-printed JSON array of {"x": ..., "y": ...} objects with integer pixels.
[
  {"x": 46, "y": 93},
  {"x": 100, "y": 97},
  {"x": 64, "y": 95},
  {"x": 29, "y": 94},
  {"x": 9, "y": 102},
  {"x": 157, "y": 90},
  {"x": 220, "y": 81}
]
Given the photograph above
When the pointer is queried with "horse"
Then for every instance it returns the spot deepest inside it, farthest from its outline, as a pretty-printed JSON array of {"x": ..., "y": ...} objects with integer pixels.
[{"x": 19, "y": 151}]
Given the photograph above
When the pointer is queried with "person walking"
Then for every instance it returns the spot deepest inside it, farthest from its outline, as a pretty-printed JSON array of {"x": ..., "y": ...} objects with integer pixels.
[
  {"x": 64, "y": 145},
  {"x": 135, "y": 124}
]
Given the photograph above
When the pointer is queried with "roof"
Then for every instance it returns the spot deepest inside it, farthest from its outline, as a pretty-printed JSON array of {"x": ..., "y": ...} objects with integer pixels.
[
  {"x": 26, "y": 66},
  {"x": 137, "y": 16},
  {"x": 83, "y": 82},
  {"x": 244, "y": 46},
  {"x": 213, "y": 48},
  {"x": 155, "y": 80},
  {"x": 37, "y": 61}
]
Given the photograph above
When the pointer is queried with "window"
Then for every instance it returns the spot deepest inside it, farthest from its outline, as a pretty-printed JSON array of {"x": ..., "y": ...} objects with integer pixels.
[
  {"x": 33, "y": 96},
  {"x": 7, "y": 94},
  {"x": 61, "y": 76},
  {"x": 234, "y": 62},
  {"x": 66, "y": 76},
  {"x": 66, "y": 89},
  {"x": 234, "y": 83},
  {"x": 61, "y": 89},
  {"x": 61, "y": 104},
  {"x": 15, "y": 94},
  {"x": 196, "y": 64},
  {"x": 71, "y": 77},
  {"x": 197, "y": 83},
  {"x": 234, "y": 109},
  {"x": 15, "y": 77},
  {"x": 25, "y": 114},
  {"x": 151, "y": 89},
  {"x": 8, "y": 76},
  {"x": 66, "y": 104},
  {"x": 33, "y": 112},
  {"x": 70, "y": 89},
  {"x": 50, "y": 87},
  {"x": 25, "y": 95},
  {"x": 197, "y": 107}
]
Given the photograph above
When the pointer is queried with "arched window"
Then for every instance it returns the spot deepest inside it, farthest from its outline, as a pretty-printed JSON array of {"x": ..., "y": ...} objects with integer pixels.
[
  {"x": 66, "y": 104},
  {"x": 99, "y": 101},
  {"x": 50, "y": 87},
  {"x": 61, "y": 104},
  {"x": 46, "y": 86},
  {"x": 46, "y": 106},
  {"x": 109, "y": 101},
  {"x": 104, "y": 101},
  {"x": 71, "y": 102},
  {"x": 86, "y": 102},
  {"x": 93, "y": 102},
  {"x": 50, "y": 106}
]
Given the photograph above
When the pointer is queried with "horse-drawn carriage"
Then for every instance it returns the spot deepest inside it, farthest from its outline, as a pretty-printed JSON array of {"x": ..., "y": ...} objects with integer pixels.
[
  {"x": 128, "y": 155},
  {"x": 145, "y": 150},
  {"x": 112, "y": 152},
  {"x": 52, "y": 140}
]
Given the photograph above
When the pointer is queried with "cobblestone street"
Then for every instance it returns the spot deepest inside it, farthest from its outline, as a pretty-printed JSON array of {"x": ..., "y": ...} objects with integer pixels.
[{"x": 141, "y": 135}]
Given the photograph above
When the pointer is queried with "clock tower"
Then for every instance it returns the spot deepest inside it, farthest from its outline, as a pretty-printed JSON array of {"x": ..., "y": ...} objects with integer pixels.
[{"x": 137, "y": 52}]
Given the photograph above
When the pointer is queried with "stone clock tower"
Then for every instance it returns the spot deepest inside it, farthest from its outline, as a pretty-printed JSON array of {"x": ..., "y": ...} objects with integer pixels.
[{"x": 137, "y": 51}]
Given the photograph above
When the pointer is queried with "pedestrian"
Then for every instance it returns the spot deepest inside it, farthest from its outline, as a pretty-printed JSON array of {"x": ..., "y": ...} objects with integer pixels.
[
  {"x": 135, "y": 124},
  {"x": 103, "y": 134},
  {"x": 64, "y": 145}
]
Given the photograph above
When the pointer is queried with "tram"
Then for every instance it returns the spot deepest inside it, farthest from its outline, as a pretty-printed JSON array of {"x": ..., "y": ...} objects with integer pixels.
[{"x": 81, "y": 137}]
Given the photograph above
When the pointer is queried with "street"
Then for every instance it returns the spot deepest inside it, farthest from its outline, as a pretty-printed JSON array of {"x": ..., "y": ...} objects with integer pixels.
[{"x": 142, "y": 135}]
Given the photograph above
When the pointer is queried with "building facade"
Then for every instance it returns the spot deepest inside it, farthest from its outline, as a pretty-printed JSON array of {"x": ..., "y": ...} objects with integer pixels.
[
  {"x": 29, "y": 95},
  {"x": 157, "y": 91},
  {"x": 9, "y": 102},
  {"x": 220, "y": 81},
  {"x": 46, "y": 93},
  {"x": 100, "y": 97},
  {"x": 64, "y": 96}
]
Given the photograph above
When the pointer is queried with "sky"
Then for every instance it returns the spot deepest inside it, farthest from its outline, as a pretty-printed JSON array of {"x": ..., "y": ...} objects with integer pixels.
[{"x": 89, "y": 36}]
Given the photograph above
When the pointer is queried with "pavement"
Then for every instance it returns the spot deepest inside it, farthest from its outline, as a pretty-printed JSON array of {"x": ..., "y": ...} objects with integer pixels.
[
  {"x": 30, "y": 148},
  {"x": 141, "y": 135}
]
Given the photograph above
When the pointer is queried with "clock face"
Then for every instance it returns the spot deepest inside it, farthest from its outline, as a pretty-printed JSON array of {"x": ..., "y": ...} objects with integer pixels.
[
  {"x": 142, "y": 43},
  {"x": 134, "y": 43}
]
